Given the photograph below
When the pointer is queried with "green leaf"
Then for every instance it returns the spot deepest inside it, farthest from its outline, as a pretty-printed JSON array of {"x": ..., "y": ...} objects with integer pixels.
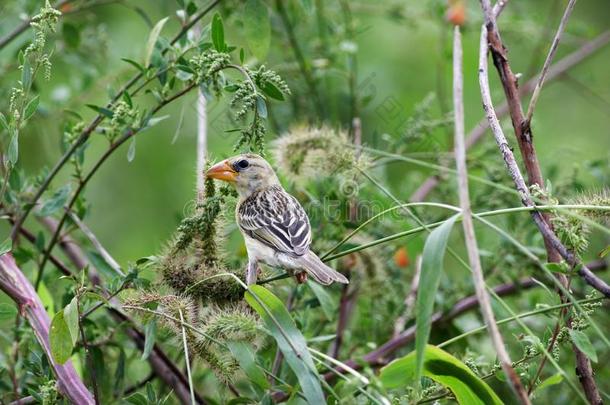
[
  {"x": 60, "y": 339},
  {"x": 152, "y": 40},
  {"x": 257, "y": 28},
  {"x": 7, "y": 311},
  {"x": 31, "y": 108},
  {"x": 431, "y": 271},
  {"x": 245, "y": 357},
  {"x": 289, "y": 340},
  {"x": 261, "y": 107},
  {"x": 101, "y": 110},
  {"x": 443, "y": 368},
  {"x": 150, "y": 336},
  {"x": 119, "y": 374},
  {"x": 272, "y": 91},
  {"x": 137, "y": 399},
  {"x": 12, "y": 153},
  {"x": 71, "y": 319},
  {"x": 557, "y": 267},
  {"x": 131, "y": 152},
  {"x": 326, "y": 302},
  {"x": 6, "y": 246},
  {"x": 56, "y": 202},
  {"x": 26, "y": 74},
  {"x": 604, "y": 252},
  {"x": 552, "y": 380},
  {"x": 218, "y": 33},
  {"x": 581, "y": 340},
  {"x": 155, "y": 120},
  {"x": 4, "y": 122},
  {"x": 134, "y": 64}
]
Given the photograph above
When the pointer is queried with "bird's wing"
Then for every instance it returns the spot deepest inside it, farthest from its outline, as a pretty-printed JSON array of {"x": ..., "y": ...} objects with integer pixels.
[{"x": 275, "y": 218}]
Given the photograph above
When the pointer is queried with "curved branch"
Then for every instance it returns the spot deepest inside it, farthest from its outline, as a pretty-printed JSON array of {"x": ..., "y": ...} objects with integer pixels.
[{"x": 19, "y": 289}]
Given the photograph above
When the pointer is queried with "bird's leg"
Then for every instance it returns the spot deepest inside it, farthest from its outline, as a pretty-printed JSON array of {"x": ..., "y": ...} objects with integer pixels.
[
  {"x": 301, "y": 277},
  {"x": 251, "y": 272}
]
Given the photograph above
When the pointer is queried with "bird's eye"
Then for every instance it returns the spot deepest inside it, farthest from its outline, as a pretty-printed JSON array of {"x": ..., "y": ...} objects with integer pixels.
[{"x": 242, "y": 164}]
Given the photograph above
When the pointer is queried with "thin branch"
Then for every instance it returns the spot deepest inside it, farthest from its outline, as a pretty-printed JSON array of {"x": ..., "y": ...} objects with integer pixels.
[
  {"x": 96, "y": 243},
  {"x": 19, "y": 289},
  {"x": 84, "y": 136},
  {"x": 186, "y": 357},
  {"x": 547, "y": 62},
  {"x": 468, "y": 226},
  {"x": 21, "y": 28},
  {"x": 81, "y": 185},
  {"x": 346, "y": 306},
  {"x": 88, "y": 356},
  {"x": 555, "y": 249},
  {"x": 202, "y": 135},
  {"x": 551, "y": 241},
  {"x": 556, "y": 71}
]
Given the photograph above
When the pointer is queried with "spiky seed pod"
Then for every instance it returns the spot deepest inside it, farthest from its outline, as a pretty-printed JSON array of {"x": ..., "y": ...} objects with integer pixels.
[
  {"x": 225, "y": 324},
  {"x": 186, "y": 273},
  {"x": 234, "y": 322},
  {"x": 303, "y": 153},
  {"x": 599, "y": 198}
]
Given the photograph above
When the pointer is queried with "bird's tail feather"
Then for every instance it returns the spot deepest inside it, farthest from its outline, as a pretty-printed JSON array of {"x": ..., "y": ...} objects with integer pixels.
[{"x": 319, "y": 271}]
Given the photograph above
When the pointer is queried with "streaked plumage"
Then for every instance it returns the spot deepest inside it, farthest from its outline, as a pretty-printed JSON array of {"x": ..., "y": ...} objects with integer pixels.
[{"x": 275, "y": 226}]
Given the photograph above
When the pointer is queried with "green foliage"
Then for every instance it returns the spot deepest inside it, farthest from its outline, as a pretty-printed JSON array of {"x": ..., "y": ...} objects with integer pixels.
[
  {"x": 443, "y": 368},
  {"x": 431, "y": 272},
  {"x": 289, "y": 339},
  {"x": 60, "y": 338},
  {"x": 308, "y": 80}
]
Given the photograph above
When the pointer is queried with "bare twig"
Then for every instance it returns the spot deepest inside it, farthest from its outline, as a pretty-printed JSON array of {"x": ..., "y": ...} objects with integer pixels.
[
  {"x": 96, "y": 243},
  {"x": 555, "y": 249},
  {"x": 410, "y": 300},
  {"x": 346, "y": 306},
  {"x": 547, "y": 62},
  {"x": 17, "y": 286},
  {"x": 468, "y": 226},
  {"x": 556, "y": 71},
  {"x": 202, "y": 136},
  {"x": 554, "y": 245}
]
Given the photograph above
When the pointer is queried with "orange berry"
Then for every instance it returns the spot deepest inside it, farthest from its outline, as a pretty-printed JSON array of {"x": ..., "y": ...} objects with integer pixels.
[
  {"x": 456, "y": 13},
  {"x": 401, "y": 257}
]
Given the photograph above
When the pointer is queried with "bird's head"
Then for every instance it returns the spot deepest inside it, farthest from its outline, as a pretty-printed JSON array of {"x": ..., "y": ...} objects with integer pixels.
[{"x": 248, "y": 172}]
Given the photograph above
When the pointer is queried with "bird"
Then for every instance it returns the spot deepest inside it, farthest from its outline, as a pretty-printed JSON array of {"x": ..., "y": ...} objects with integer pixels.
[{"x": 274, "y": 225}]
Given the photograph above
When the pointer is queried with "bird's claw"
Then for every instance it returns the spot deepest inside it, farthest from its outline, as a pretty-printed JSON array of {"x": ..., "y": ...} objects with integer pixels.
[{"x": 301, "y": 277}]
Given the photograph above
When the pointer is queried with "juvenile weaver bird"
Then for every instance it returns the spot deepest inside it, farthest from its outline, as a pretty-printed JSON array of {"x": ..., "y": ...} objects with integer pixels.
[{"x": 274, "y": 225}]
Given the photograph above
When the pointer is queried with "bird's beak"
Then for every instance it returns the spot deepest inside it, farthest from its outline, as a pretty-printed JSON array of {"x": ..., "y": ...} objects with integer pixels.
[{"x": 222, "y": 171}]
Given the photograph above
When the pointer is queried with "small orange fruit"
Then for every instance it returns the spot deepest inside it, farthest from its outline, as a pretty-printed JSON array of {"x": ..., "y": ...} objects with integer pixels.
[
  {"x": 401, "y": 257},
  {"x": 456, "y": 13}
]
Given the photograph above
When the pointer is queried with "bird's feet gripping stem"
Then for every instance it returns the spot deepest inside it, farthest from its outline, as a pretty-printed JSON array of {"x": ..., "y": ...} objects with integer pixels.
[{"x": 301, "y": 277}]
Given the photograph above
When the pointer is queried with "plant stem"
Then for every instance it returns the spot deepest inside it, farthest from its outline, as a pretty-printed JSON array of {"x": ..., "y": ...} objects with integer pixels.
[{"x": 468, "y": 226}]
